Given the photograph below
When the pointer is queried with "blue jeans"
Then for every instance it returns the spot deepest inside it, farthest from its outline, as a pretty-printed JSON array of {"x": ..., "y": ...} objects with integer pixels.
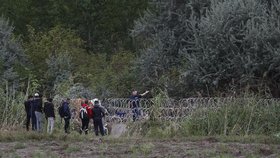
[
  {"x": 136, "y": 113},
  {"x": 39, "y": 121}
]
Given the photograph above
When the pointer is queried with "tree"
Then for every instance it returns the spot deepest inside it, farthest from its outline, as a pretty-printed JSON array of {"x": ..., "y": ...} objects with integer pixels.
[
  {"x": 103, "y": 25},
  {"x": 13, "y": 62},
  {"x": 59, "y": 71},
  {"x": 235, "y": 46},
  {"x": 164, "y": 35},
  {"x": 52, "y": 52},
  {"x": 12, "y": 56},
  {"x": 209, "y": 48}
]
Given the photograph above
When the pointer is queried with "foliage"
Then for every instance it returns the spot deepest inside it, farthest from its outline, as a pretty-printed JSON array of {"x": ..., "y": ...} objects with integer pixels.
[
  {"x": 102, "y": 24},
  {"x": 51, "y": 54},
  {"x": 209, "y": 48},
  {"x": 235, "y": 43},
  {"x": 164, "y": 35},
  {"x": 13, "y": 62},
  {"x": 12, "y": 56},
  {"x": 158, "y": 102},
  {"x": 206, "y": 47},
  {"x": 114, "y": 77},
  {"x": 245, "y": 116},
  {"x": 79, "y": 91},
  {"x": 59, "y": 70}
]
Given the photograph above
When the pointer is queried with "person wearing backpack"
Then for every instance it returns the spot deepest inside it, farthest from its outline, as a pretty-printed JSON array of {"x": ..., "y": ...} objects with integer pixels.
[
  {"x": 85, "y": 116},
  {"x": 66, "y": 114},
  {"x": 98, "y": 114},
  {"x": 49, "y": 112}
]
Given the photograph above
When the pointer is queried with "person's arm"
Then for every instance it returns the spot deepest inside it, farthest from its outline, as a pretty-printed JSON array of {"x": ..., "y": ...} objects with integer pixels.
[
  {"x": 41, "y": 105},
  {"x": 102, "y": 113},
  {"x": 145, "y": 93},
  {"x": 68, "y": 110},
  {"x": 45, "y": 107},
  {"x": 26, "y": 106}
]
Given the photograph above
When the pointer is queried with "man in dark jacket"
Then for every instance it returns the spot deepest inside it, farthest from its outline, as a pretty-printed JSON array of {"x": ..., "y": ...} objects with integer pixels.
[
  {"x": 49, "y": 112},
  {"x": 67, "y": 115},
  {"x": 98, "y": 114},
  {"x": 38, "y": 110},
  {"x": 134, "y": 102},
  {"x": 27, "y": 105}
]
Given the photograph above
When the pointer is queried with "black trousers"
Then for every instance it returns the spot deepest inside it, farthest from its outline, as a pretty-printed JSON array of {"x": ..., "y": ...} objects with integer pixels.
[
  {"x": 98, "y": 125},
  {"x": 85, "y": 123},
  {"x": 28, "y": 118},
  {"x": 67, "y": 124},
  {"x": 33, "y": 121}
]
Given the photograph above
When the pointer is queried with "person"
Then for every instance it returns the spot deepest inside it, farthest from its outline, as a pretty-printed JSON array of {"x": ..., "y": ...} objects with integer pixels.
[
  {"x": 66, "y": 115},
  {"x": 38, "y": 109},
  {"x": 27, "y": 105},
  {"x": 98, "y": 114},
  {"x": 134, "y": 102},
  {"x": 85, "y": 116},
  {"x": 102, "y": 107},
  {"x": 50, "y": 115}
]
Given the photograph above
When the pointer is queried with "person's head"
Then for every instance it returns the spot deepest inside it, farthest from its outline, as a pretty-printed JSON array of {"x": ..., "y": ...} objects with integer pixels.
[
  {"x": 134, "y": 92},
  {"x": 96, "y": 103},
  {"x": 93, "y": 100},
  {"x": 30, "y": 97},
  {"x": 49, "y": 99},
  {"x": 68, "y": 100}
]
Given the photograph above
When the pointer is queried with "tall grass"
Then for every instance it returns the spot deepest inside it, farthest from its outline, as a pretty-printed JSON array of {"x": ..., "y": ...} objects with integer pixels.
[
  {"x": 241, "y": 116},
  {"x": 12, "y": 112}
]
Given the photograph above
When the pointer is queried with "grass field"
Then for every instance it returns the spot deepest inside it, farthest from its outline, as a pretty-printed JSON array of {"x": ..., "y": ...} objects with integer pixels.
[{"x": 30, "y": 144}]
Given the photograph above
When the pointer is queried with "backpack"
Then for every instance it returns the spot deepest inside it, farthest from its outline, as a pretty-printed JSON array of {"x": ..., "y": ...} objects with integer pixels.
[
  {"x": 61, "y": 110},
  {"x": 83, "y": 113},
  {"x": 89, "y": 112}
]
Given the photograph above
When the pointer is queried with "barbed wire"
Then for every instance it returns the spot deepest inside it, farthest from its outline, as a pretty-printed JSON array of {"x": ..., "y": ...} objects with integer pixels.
[{"x": 172, "y": 109}]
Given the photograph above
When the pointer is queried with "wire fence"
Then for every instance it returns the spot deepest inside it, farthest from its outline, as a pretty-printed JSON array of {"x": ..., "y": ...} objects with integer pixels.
[{"x": 172, "y": 109}]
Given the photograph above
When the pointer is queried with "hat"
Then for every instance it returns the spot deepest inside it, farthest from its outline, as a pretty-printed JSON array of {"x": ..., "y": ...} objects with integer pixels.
[
  {"x": 36, "y": 94},
  {"x": 94, "y": 100}
]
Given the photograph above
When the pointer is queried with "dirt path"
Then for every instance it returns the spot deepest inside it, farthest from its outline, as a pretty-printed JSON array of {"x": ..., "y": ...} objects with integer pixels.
[{"x": 137, "y": 148}]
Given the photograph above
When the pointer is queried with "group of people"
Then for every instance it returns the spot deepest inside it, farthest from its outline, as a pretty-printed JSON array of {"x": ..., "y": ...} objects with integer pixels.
[
  {"x": 89, "y": 110},
  {"x": 34, "y": 112},
  {"x": 35, "y": 108},
  {"x": 95, "y": 112}
]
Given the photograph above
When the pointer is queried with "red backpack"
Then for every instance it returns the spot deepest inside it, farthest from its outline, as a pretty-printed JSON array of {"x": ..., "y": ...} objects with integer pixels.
[{"x": 89, "y": 110}]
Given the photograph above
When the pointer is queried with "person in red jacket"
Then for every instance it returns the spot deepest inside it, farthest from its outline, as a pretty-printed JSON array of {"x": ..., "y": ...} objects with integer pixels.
[{"x": 85, "y": 116}]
